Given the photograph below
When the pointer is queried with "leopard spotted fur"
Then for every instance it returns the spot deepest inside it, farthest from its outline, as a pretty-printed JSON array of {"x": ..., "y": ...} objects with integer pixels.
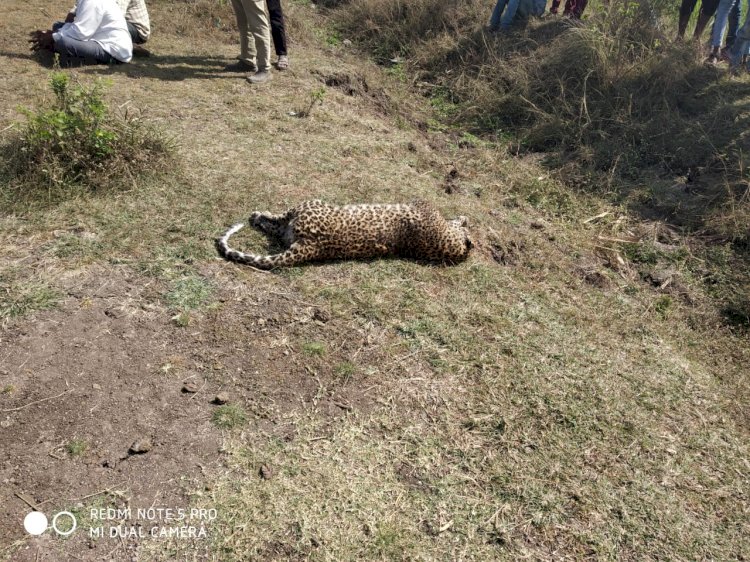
[{"x": 316, "y": 231}]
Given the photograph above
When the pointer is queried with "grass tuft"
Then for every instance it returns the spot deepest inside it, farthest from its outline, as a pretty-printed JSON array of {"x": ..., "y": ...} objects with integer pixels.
[
  {"x": 229, "y": 416},
  {"x": 314, "y": 348},
  {"x": 18, "y": 299},
  {"x": 76, "y": 447},
  {"x": 189, "y": 293}
]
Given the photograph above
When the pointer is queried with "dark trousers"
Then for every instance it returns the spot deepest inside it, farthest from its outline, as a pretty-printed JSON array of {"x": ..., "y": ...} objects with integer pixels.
[
  {"x": 707, "y": 11},
  {"x": 277, "y": 26},
  {"x": 134, "y": 35},
  {"x": 573, "y": 8},
  {"x": 76, "y": 53}
]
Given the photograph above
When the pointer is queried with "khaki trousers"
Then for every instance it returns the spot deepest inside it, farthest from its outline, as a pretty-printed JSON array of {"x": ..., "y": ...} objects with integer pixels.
[{"x": 255, "y": 33}]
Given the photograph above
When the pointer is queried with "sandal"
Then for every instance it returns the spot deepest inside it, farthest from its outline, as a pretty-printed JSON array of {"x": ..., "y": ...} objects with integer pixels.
[{"x": 283, "y": 62}]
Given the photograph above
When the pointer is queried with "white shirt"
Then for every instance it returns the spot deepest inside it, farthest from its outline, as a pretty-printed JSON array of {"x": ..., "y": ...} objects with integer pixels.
[
  {"x": 101, "y": 21},
  {"x": 136, "y": 13}
]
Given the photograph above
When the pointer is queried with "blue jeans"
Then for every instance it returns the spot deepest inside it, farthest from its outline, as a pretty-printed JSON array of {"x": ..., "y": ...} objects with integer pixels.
[
  {"x": 504, "y": 20},
  {"x": 741, "y": 43},
  {"x": 721, "y": 19},
  {"x": 733, "y": 24}
]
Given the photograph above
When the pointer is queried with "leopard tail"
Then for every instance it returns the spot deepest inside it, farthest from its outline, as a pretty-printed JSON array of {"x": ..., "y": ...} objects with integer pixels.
[{"x": 222, "y": 245}]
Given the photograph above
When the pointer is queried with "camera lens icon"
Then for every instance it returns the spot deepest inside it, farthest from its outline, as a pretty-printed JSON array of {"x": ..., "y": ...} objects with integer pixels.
[
  {"x": 73, "y": 523},
  {"x": 36, "y": 523}
]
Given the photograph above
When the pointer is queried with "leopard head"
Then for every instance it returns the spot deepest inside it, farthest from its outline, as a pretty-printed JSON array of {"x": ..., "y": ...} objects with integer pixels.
[{"x": 463, "y": 238}]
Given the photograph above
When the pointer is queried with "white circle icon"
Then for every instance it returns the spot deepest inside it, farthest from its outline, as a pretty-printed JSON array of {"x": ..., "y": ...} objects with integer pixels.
[
  {"x": 72, "y": 527},
  {"x": 35, "y": 523}
]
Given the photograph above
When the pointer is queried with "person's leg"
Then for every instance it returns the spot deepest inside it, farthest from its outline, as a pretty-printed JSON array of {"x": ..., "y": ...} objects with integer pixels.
[
  {"x": 570, "y": 6},
  {"x": 741, "y": 44},
  {"x": 134, "y": 35},
  {"x": 555, "y": 6},
  {"x": 276, "y": 17},
  {"x": 257, "y": 21},
  {"x": 75, "y": 53},
  {"x": 579, "y": 8},
  {"x": 720, "y": 24},
  {"x": 707, "y": 11},
  {"x": 733, "y": 24},
  {"x": 686, "y": 10},
  {"x": 497, "y": 14},
  {"x": 510, "y": 13},
  {"x": 247, "y": 44}
]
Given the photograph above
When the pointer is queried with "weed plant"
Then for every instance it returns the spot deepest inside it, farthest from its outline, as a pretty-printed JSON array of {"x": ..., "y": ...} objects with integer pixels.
[{"x": 79, "y": 145}]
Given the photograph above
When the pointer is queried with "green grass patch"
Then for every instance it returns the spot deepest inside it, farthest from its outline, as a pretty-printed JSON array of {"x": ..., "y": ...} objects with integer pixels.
[
  {"x": 229, "y": 416},
  {"x": 314, "y": 348},
  {"x": 76, "y": 447},
  {"x": 189, "y": 293},
  {"x": 78, "y": 145},
  {"x": 21, "y": 298}
]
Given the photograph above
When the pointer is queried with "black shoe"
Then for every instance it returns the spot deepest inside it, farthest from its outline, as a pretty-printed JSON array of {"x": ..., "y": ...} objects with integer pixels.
[{"x": 141, "y": 52}]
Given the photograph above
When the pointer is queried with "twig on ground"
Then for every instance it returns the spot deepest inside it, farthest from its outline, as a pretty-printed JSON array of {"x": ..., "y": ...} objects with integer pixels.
[
  {"x": 25, "y": 499},
  {"x": 36, "y": 402},
  {"x": 596, "y": 217}
]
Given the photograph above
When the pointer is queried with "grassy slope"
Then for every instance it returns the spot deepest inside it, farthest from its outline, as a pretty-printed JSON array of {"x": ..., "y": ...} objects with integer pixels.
[{"x": 502, "y": 410}]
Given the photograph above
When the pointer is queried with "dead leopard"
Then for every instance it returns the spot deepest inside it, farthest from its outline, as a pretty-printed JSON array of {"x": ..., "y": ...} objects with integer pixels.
[{"x": 315, "y": 231}]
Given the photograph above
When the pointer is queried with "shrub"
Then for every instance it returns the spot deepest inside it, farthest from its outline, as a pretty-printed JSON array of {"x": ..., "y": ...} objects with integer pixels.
[
  {"x": 615, "y": 95},
  {"x": 79, "y": 144}
]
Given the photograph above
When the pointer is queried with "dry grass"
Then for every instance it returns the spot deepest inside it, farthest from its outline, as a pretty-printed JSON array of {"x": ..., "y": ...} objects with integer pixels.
[{"x": 552, "y": 404}]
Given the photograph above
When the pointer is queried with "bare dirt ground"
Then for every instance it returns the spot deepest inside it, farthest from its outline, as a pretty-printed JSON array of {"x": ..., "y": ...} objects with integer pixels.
[
  {"x": 109, "y": 368},
  {"x": 546, "y": 399}
]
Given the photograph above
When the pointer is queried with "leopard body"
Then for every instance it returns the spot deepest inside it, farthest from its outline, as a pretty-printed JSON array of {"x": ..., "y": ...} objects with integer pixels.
[{"x": 317, "y": 231}]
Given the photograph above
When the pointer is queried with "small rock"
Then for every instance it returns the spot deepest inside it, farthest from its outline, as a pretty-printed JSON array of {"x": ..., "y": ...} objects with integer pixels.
[
  {"x": 661, "y": 277},
  {"x": 190, "y": 387},
  {"x": 321, "y": 315},
  {"x": 221, "y": 398},
  {"x": 96, "y": 386},
  {"x": 347, "y": 42},
  {"x": 265, "y": 472},
  {"x": 142, "y": 445}
]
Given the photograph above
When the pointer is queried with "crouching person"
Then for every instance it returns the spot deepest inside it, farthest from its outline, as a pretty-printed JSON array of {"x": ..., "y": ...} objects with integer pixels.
[
  {"x": 97, "y": 34},
  {"x": 137, "y": 20}
]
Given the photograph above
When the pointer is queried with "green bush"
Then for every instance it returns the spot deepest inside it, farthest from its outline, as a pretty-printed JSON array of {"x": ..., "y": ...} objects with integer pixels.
[{"x": 80, "y": 144}]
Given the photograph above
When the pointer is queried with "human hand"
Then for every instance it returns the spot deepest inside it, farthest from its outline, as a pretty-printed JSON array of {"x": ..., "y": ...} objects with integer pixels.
[
  {"x": 41, "y": 40},
  {"x": 70, "y": 17}
]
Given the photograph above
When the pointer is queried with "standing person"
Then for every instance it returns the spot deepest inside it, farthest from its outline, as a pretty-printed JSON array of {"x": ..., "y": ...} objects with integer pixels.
[
  {"x": 278, "y": 32},
  {"x": 573, "y": 8},
  {"x": 137, "y": 20},
  {"x": 98, "y": 34},
  {"x": 507, "y": 11},
  {"x": 723, "y": 11},
  {"x": 733, "y": 25},
  {"x": 255, "y": 40},
  {"x": 739, "y": 51},
  {"x": 706, "y": 12}
]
